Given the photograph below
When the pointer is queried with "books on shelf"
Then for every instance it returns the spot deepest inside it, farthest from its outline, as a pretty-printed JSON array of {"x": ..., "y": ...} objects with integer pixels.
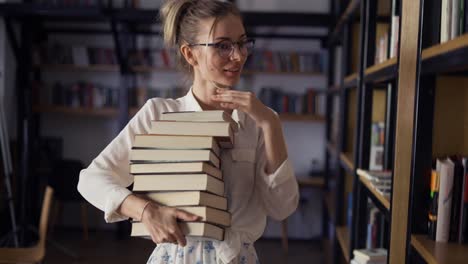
[
  {"x": 453, "y": 19},
  {"x": 370, "y": 256},
  {"x": 448, "y": 212},
  {"x": 377, "y": 146},
  {"x": 395, "y": 36},
  {"x": 284, "y": 61},
  {"x": 311, "y": 102},
  {"x": 189, "y": 198},
  {"x": 381, "y": 181},
  {"x": 200, "y": 229},
  {"x": 177, "y": 166}
]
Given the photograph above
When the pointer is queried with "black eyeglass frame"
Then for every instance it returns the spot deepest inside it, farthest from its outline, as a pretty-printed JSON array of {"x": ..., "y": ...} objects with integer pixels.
[{"x": 215, "y": 44}]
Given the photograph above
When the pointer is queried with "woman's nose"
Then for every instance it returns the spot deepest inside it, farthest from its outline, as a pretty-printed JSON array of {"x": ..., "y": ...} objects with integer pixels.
[{"x": 236, "y": 53}]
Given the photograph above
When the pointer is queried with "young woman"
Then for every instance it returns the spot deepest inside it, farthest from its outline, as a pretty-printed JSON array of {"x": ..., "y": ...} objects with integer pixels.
[{"x": 212, "y": 47}]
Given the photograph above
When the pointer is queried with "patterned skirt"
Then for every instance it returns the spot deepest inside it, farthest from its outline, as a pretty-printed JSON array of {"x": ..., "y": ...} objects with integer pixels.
[{"x": 199, "y": 252}]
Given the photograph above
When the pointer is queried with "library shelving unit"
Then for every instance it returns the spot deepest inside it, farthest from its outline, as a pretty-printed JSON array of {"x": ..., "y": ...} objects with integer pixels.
[
  {"x": 33, "y": 21},
  {"x": 421, "y": 95}
]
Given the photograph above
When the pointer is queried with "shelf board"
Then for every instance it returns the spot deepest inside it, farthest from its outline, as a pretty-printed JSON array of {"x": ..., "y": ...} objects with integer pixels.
[
  {"x": 342, "y": 234},
  {"x": 350, "y": 81},
  {"x": 77, "y": 68},
  {"x": 449, "y": 56},
  {"x": 384, "y": 71},
  {"x": 288, "y": 117},
  {"x": 382, "y": 199},
  {"x": 437, "y": 252},
  {"x": 350, "y": 9},
  {"x": 347, "y": 162},
  {"x": 311, "y": 182},
  {"x": 82, "y": 111}
]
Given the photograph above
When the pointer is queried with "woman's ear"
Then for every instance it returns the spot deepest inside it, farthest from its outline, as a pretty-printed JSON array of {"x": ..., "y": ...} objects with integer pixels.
[{"x": 188, "y": 54}]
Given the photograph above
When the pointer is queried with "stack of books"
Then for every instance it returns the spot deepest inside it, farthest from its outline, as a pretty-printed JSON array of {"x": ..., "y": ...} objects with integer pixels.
[
  {"x": 369, "y": 256},
  {"x": 178, "y": 165}
]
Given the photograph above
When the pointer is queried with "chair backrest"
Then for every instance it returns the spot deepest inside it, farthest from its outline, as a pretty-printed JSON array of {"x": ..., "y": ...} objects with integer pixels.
[{"x": 43, "y": 223}]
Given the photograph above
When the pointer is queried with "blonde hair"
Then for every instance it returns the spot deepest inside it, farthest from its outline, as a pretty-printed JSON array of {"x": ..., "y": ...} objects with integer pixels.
[{"x": 180, "y": 20}]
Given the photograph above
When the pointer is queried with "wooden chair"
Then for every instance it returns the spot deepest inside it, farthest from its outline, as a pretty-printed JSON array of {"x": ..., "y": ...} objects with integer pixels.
[{"x": 36, "y": 253}]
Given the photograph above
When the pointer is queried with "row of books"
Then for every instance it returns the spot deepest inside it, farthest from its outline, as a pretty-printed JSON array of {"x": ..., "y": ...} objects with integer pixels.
[
  {"x": 370, "y": 256},
  {"x": 377, "y": 146},
  {"x": 278, "y": 61},
  {"x": 453, "y": 19},
  {"x": 387, "y": 45},
  {"x": 312, "y": 102},
  {"x": 80, "y": 94},
  {"x": 381, "y": 180},
  {"x": 79, "y": 55},
  {"x": 448, "y": 212},
  {"x": 156, "y": 58},
  {"x": 178, "y": 165}
]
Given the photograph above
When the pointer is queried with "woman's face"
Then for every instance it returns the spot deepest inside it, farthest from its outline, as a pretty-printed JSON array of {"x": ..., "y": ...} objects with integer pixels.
[{"x": 216, "y": 63}]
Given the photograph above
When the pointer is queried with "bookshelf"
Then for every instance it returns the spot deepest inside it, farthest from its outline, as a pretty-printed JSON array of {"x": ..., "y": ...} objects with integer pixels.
[
  {"x": 78, "y": 111},
  {"x": 436, "y": 252},
  {"x": 426, "y": 121},
  {"x": 342, "y": 234}
]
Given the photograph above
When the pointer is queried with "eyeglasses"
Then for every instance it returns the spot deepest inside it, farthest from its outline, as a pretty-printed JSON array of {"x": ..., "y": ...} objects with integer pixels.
[{"x": 225, "y": 48}]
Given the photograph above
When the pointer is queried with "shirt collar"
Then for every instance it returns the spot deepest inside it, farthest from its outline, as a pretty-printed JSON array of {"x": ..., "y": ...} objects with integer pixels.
[{"x": 191, "y": 104}]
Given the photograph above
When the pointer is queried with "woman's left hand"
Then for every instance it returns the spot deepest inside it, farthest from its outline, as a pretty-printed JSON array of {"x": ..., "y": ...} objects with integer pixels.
[{"x": 246, "y": 102}]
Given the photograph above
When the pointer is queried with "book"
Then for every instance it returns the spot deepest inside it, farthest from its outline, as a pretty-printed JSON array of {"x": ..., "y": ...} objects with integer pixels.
[
  {"x": 445, "y": 22},
  {"x": 457, "y": 199},
  {"x": 189, "y": 198},
  {"x": 198, "y": 229},
  {"x": 173, "y": 155},
  {"x": 197, "y": 116},
  {"x": 178, "y": 182},
  {"x": 374, "y": 255},
  {"x": 223, "y": 131},
  {"x": 434, "y": 199},
  {"x": 464, "y": 213},
  {"x": 209, "y": 215},
  {"x": 445, "y": 200},
  {"x": 176, "y": 142},
  {"x": 172, "y": 168}
]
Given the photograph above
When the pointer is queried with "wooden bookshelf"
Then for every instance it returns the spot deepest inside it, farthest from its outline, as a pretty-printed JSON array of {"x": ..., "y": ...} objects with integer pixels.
[
  {"x": 288, "y": 117},
  {"x": 342, "y": 234},
  {"x": 439, "y": 253},
  {"x": 446, "y": 57},
  {"x": 77, "y": 68},
  {"x": 311, "y": 182},
  {"x": 79, "y": 111},
  {"x": 346, "y": 161},
  {"x": 382, "y": 199},
  {"x": 460, "y": 42},
  {"x": 350, "y": 9},
  {"x": 350, "y": 81},
  {"x": 381, "y": 72}
]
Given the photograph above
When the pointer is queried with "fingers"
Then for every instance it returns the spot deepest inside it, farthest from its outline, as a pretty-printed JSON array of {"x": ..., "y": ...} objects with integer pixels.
[
  {"x": 182, "y": 215},
  {"x": 179, "y": 237}
]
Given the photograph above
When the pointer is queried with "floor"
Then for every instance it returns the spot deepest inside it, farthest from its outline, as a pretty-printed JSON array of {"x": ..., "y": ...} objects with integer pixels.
[{"x": 103, "y": 247}]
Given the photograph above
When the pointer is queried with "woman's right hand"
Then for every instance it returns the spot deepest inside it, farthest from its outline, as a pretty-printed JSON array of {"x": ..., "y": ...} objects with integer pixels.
[{"x": 161, "y": 223}]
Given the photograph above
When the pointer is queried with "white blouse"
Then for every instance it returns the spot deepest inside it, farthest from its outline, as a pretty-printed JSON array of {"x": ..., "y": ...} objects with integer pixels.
[{"x": 252, "y": 193}]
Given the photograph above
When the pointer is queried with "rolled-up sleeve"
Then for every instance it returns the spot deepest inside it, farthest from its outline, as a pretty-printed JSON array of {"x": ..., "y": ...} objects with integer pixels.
[
  {"x": 104, "y": 183},
  {"x": 279, "y": 190}
]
